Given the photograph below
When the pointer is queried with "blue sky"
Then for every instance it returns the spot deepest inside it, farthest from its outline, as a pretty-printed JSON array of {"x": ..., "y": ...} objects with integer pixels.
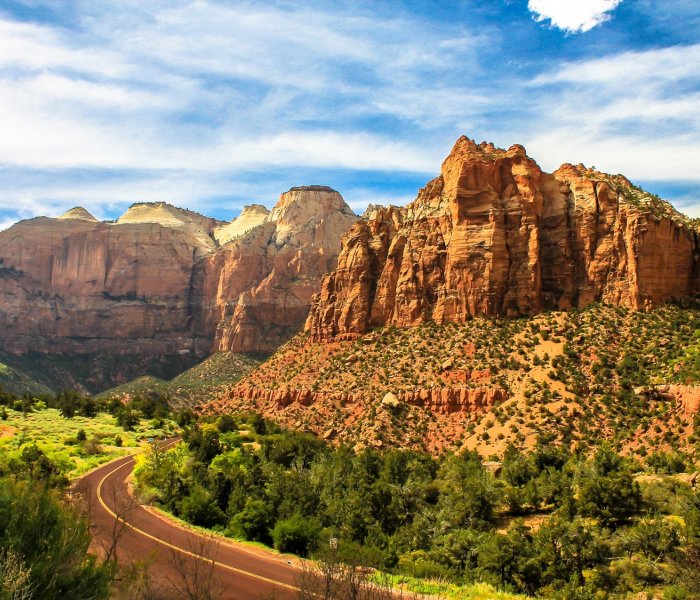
[{"x": 213, "y": 104}]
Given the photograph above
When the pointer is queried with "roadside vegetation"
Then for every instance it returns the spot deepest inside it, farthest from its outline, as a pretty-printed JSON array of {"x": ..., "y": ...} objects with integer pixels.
[
  {"x": 45, "y": 543},
  {"x": 547, "y": 522},
  {"x": 77, "y": 433}
]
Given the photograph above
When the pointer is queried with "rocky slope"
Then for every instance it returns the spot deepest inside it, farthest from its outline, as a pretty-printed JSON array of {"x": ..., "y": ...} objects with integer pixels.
[
  {"x": 631, "y": 378},
  {"x": 205, "y": 381},
  {"x": 495, "y": 235}
]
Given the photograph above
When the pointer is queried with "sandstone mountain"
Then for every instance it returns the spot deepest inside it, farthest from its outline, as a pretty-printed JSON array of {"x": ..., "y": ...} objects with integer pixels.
[
  {"x": 495, "y": 235},
  {"x": 409, "y": 341},
  {"x": 156, "y": 284},
  {"x": 254, "y": 292}
]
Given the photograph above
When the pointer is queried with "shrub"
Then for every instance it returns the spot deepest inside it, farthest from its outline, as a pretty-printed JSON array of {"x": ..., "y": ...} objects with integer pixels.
[
  {"x": 253, "y": 522},
  {"x": 297, "y": 534},
  {"x": 199, "y": 508},
  {"x": 59, "y": 566}
]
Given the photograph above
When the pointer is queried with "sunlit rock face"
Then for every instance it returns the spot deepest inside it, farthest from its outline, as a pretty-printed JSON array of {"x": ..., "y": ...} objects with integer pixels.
[
  {"x": 75, "y": 284},
  {"x": 162, "y": 280},
  {"x": 495, "y": 235},
  {"x": 255, "y": 291}
]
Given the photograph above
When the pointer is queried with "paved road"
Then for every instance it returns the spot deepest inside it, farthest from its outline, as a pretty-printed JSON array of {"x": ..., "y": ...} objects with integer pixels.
[{"x": 242, "y": 573}]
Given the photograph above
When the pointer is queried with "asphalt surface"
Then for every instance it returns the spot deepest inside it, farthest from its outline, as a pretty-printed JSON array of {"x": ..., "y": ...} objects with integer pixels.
[{"x": 179, "y": 557}]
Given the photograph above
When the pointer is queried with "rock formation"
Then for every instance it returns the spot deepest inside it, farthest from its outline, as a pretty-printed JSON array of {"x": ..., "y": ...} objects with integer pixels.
[
  {"x": 156, "y": 282},
  {"x": 255, "y": 291},
  {"x": 251, "y": 216},
  {"x": 495, "y": 235},
  {"x": 75, "y": 285},
  {"x": 78, "y": 212}
]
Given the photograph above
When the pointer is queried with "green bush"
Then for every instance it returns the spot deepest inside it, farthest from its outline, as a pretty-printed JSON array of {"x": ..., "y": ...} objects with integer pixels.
[
  {"x": 52, "y": 540},
  {"x": 253, "y": 522},
  {"x": 297, "y": 534},
  {"x": 199, "y": 508}
]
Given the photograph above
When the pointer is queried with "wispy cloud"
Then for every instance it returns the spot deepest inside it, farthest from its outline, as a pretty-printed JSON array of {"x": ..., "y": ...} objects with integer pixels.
[
  {"x": 204, "y": 103},
  {"x": 635, "y": 112}
]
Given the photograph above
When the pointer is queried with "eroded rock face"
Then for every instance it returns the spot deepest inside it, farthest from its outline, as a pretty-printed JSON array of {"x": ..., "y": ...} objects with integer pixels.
[
  {"x": 494, "y": 235},
  {"x": 255, "y": 291},
  {"x": 439, "y": 400},
  {"x": 77, "y": 285},
  {"x": 156, "y": 281}
]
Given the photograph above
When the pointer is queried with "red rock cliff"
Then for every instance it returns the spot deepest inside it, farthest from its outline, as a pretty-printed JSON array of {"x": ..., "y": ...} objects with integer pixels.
[
  {"x": 76, "y": 285},
  {"x": 255, "y": 292},
  {"x": 495, "y": 235},
  {"x": 156, "y": 282}
]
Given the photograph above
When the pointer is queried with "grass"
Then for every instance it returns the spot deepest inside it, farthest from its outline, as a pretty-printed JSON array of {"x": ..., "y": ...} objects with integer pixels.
[
  {"x": 57, "y": 437},
  {"x": 451, "y": 591}
]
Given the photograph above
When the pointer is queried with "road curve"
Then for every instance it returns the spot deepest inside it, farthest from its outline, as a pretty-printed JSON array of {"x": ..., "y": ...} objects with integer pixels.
[{"x": 241, "y": 573}]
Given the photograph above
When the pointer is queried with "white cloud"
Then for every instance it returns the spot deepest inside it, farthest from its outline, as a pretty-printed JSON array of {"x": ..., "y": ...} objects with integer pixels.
[
  {"x": 188, "y": 100},
  {"x": 630, "y": 68},
  {"x": 572, "y": 16},
  {"x": 201, "y": 85}
]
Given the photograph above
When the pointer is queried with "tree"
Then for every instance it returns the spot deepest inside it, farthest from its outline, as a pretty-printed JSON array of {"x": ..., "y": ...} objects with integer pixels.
[
  {"x": 195, "y": 578},
  {"x": 613, "y": 499},
  {"x": 253, "y": 522},
  {"x": 127, "y": 418},
  {"x": 510, "y": 558},
  {"x": 52, "y": 538},
  {"x": 565, "y": 549},
  {"x": 199, "y": 508},
  {"x": 297, "y": 534},
  {"x": 468, "y": 493}
]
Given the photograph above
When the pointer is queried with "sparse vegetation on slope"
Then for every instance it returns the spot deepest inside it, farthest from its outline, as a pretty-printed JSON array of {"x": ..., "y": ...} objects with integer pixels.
[
  {"x": 20, "y": 383},
  {"x": 576, "y": 377},
  {"x": 203, "y": 382}
]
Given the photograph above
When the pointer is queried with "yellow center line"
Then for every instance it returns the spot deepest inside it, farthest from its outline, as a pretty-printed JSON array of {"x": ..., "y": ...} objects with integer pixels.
[{"x": 177, "y": 548}]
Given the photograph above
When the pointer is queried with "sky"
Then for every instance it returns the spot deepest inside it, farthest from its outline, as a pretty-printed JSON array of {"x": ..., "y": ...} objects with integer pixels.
[{"x": 214, "y": 104}]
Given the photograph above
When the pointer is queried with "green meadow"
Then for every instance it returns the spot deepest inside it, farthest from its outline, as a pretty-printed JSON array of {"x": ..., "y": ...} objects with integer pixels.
[{"x": 60, "y": 438}]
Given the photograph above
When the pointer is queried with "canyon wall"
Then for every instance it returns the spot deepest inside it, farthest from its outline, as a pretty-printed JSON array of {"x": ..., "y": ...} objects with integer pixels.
[
  {"x": 255, "y": 292},
  {"x": 165, "y": 281},
  {"x": 494, "y": 235},
  {"x": 75, "y": 285}
]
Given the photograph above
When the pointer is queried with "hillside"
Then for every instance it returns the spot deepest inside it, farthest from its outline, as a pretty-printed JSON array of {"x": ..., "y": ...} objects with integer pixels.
[
  {"x": 19, "y": 383},
  {"x": 203, "y": 382},
  {"x": 578, "y": 377},
  {"x": 92, "y": 372}
]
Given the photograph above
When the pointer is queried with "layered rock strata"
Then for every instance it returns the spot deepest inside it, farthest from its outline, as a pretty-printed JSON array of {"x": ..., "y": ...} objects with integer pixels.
[
  {"x": 439, "y": 400},
  {"x": 80, "y": 286},
  {"x": 255, "y": 291},
  {"x": 495, "y": 235},
  {"x": 157, "y": 282}
]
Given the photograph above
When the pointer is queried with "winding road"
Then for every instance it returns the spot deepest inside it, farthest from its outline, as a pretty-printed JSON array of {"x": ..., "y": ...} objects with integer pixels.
[{"x": 179, "y": 557}]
